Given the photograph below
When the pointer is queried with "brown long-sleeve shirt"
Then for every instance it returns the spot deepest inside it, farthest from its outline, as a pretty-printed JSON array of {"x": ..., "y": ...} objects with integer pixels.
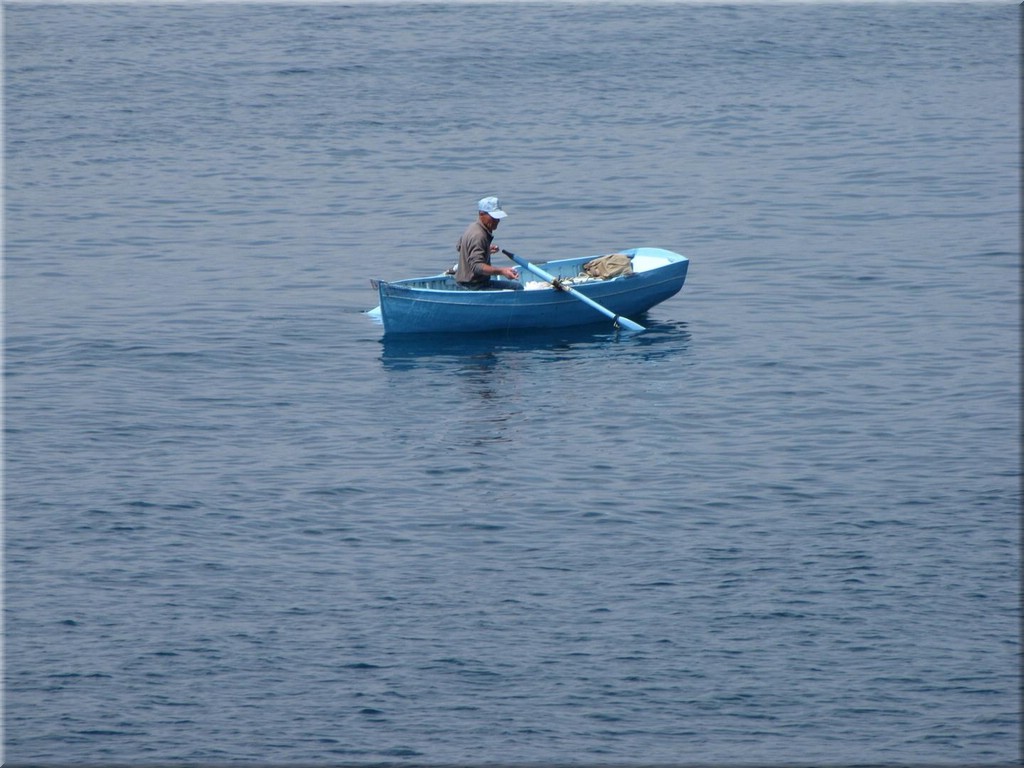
[{"x": 474, "y": 249}]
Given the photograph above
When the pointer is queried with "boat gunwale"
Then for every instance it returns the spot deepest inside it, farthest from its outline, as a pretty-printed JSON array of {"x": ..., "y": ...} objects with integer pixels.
[{"x": 409, "y": 283}]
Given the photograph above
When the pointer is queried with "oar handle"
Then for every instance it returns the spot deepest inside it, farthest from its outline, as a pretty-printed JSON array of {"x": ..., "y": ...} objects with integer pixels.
[{"x": 557, "y": 284}]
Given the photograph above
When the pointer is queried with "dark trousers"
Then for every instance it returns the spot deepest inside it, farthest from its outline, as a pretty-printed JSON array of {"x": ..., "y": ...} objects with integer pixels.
[{"x": 492, "y": 285}]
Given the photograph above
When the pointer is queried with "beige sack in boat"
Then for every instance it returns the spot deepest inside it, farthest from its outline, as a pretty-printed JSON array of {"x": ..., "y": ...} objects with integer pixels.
[{"x": 609, "y": 266}]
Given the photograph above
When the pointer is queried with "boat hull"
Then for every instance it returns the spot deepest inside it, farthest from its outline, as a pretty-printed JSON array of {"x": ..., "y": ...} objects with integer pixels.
[{"x": 438, "y": 305}]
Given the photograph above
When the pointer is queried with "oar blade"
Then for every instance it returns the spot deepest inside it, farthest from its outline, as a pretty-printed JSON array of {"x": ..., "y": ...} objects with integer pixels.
[{"x": 628, "y": 324}]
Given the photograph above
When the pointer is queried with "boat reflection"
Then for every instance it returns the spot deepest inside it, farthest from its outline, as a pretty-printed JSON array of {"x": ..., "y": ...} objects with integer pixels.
[
  {"x": 489, "y": 385},
  {"x": 486, "y": 350}
]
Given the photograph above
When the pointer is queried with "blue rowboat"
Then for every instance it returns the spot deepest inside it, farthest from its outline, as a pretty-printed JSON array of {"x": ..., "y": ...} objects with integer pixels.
[{"x": 439, "y": 305}]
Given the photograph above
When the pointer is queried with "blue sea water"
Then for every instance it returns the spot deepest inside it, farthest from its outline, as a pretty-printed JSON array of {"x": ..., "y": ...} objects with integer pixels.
[{"x": 779, "y": 527}]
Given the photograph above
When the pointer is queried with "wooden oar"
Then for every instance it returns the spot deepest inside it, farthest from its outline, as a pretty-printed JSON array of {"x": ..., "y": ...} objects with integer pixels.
[{"x": 560, "y": 286}]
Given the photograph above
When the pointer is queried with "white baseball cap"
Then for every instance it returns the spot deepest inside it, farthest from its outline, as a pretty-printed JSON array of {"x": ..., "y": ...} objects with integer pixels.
[{"x": 492, "y": 207}]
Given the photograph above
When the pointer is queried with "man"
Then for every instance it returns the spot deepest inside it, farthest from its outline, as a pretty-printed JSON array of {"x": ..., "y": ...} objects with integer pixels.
[{"x": 475, "y": 249}]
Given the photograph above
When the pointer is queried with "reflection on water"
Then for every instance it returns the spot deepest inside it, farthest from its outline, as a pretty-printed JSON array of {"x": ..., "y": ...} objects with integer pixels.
[
  {"x": 490, "y": 390},
  {"x": 488, "y": 384},
  {"x": 485, "y": 351}
]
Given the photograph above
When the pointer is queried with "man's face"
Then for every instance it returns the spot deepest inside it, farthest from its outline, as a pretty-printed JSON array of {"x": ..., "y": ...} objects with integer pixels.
[{"x": 489, "y": 222}]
